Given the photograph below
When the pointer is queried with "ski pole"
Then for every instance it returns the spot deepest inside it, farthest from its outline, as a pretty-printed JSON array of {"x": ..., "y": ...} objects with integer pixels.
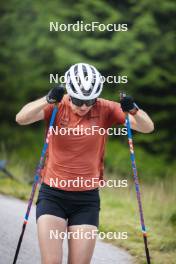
[
  {"x": 136, "y": 181},
  {"x": 36, "y": 181}
]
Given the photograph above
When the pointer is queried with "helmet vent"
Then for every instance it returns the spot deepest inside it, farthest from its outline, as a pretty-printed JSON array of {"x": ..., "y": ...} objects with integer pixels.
[{"x": 83, "y": 81}]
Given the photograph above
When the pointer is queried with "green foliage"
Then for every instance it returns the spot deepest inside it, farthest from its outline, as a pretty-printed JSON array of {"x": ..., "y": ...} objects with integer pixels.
[
  {"x": 29, "y": 52},
  {"x": 150, "y": 167}
]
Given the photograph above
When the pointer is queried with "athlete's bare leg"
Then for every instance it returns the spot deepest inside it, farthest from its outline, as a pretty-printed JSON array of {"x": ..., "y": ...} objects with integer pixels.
[
  {"x": 51, "y": 249},
  {"x": 81, "y": 250}
]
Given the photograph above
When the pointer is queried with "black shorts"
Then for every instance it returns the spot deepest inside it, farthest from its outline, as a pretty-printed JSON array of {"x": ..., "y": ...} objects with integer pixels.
[{"x": 77, "y": 207}]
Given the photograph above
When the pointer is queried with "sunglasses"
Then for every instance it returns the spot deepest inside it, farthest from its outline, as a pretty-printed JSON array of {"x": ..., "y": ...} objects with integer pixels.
[{"x": 79, "y": 102}]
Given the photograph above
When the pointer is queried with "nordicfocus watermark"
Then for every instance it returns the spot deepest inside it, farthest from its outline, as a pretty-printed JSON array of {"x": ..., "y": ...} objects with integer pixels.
[
  {"x": 80, "y": 130},
  {"x": 54, "y": 78},
  {"x": 82, "y": 234},
  {"x": 80, "y": 182},
  {"x": 88, "y": 27}
]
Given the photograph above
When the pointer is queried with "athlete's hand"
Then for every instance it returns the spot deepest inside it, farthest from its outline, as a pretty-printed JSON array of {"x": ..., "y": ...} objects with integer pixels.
[
  {"x": 55, "y": 95},
  {"x": 128, "y": 105}
]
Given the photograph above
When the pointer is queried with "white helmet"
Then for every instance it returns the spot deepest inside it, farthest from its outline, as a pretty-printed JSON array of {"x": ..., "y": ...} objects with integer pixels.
[{"x": 83, "y": 81}]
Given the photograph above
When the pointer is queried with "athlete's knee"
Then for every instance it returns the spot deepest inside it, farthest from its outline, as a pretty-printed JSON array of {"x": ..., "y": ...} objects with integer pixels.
[
  {"x": 52, "y": 260},
  {"x": 76, "y": 261}
]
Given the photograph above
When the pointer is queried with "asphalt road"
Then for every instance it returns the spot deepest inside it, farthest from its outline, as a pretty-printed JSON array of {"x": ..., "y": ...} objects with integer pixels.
[{"x": 11, "y": 218}]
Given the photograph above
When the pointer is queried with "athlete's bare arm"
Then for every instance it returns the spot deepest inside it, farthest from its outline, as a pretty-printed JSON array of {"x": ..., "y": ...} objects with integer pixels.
[
  {"x": 141, "y": 122},
  {"x": 32, "y": 112}
]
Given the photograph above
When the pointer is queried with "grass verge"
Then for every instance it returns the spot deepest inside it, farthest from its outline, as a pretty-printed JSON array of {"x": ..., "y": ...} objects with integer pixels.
[{"x": 119, "y": 213}]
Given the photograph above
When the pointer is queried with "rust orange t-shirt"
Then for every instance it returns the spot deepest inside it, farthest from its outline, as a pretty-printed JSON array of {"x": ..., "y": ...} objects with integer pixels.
[{"x": 74, "y": 160}]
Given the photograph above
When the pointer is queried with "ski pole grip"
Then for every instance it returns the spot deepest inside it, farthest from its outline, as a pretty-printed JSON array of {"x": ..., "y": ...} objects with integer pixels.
[{"x": 122, "y": 94}]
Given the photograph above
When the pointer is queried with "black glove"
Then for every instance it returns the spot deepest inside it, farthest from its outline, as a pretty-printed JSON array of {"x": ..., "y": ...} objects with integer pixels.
[
  {"x": 128, "y": 104},
  {"x": 55, "y": 95}
]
